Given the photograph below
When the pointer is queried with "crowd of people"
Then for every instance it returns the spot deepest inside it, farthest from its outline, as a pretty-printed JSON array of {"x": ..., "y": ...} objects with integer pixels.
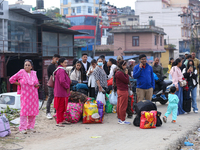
[{"x": 96, "y": 74}]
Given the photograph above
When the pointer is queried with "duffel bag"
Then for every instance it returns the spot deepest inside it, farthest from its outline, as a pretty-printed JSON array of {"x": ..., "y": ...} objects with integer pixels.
[{"x": 4, "y": 126}]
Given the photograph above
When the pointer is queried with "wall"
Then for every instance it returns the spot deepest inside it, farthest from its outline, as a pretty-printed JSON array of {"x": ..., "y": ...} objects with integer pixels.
[
  {"x": 179, "y": 3},
  {"x": 165, "y": 59}
]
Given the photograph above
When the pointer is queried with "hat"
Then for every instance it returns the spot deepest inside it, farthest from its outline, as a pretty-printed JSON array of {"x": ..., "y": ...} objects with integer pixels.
[
  {"x": 187, "y": 53},
  {"x": 131, "y": 60}
]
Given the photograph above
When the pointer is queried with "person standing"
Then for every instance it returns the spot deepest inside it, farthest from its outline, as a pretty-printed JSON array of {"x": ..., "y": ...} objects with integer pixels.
[
  {"x": 84, "y": 67},
  {"x": 27, "y": 80},
  {"x": 76, "y": 73},
  {"x": 112, "y": 64},
  {"x": 196, "y": 62},
  {"x": 51, "y": 68},
  {"x": 105, "y": 66},
  {"x": 131, "y": 65},
  {"x": 169, "y": 67},
  {"x": 61, "y": 92},
  {"x": 177, "y": 77},
  {"x": 143, "y": 72},
  {"x": 190, "y": 74},
  {"x": 122, "y": 81}
]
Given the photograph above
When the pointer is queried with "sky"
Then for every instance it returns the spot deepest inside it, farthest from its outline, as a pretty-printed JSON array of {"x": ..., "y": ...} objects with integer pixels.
[{"x": 56, "y": 3}]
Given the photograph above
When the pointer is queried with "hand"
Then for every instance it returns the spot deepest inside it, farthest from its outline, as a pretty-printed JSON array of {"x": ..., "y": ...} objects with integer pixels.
[
  {"x": 91, "y": 71},
  {"x": 141, "y": 65},
  {"x": 177, "y": 89},
  {"x": 100, "y": 89},
  {"x": 126, "y": 71},
  {"x": 153, "y": 63},
  {"x": 191, "y": 69},
  {"x": 37, "y": 85},
  {"x": 188, "y": 71}
]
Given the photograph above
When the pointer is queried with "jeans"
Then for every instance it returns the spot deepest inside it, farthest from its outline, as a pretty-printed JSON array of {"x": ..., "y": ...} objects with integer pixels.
[
  {"x": 193, "y": 92},
  {"x": 179, "y": 93},
  {"x": 50, "y": 99}
]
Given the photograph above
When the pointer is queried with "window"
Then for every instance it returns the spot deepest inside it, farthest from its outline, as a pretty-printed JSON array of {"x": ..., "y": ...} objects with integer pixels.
[
  {"x": 97, "y": 1},
  {"x": 65, "y": 11},
  {"x": 79, "y": 9},
  {"x": 65, "y": 2},
  {"x": 96, "y": 10},
  {"x": 135, "y": 40},
  {"x": 130, "y": 19},
  {"x": 8, "y": 100},
  {"x": 90, "y": 9},
  {"x": 155, "y": 40},
  {"x": 182, "y": 32},
  {"x": 160, "y": 41},
  {"x": 124, "y": 22},
  {"x": 77, "y": 21}
]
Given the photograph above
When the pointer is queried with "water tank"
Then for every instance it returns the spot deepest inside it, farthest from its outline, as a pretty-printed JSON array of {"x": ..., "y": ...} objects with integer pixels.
[{"x": 40, "y": 4}]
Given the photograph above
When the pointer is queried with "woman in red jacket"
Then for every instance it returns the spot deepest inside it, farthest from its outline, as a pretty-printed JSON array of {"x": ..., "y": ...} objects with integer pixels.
[
  {"x": 122, "y": 81},
  {"x": 61, "y": 92}
]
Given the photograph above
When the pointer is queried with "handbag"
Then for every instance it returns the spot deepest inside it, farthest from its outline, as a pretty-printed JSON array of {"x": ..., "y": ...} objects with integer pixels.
[
  {"x": 182, "y": 83},
  {"x": 101, "y": 98}
]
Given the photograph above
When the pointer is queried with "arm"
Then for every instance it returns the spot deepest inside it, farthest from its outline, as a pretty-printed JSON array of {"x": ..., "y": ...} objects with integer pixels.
[
  {"x": 152, "y": 79},
  {"x": 37, "y": 85},
  {"x": 88, "y": 73},
  {"x": 111, "y": 73},
  {"x": 169, "y": 67},
  {"x": 137, "y": 71},
  {"x": 122, "y": 77},
  {"x": 62, "y": 79},
  {"x": 51, "y": 69},
  {"x": 194, "y": 74},
  {"x": 16, "y": 77},
  {"x": 161, "y": 72},
  {"x": 185, "y": 74}
]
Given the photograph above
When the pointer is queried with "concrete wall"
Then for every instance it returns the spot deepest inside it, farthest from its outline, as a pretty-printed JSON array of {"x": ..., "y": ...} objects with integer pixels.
[
  {"x": 165, "y": 59},
  {"x": 179, "y": 3}
]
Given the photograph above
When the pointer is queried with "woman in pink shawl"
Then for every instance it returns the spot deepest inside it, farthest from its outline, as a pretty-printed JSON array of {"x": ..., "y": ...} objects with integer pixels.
[{"x": 27, "y": 80}]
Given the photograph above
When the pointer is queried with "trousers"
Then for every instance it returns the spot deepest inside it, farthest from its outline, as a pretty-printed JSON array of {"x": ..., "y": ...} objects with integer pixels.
[
  {"x": 50, "y": 98},
  {"x": 24, "y": 124},
  {"x": 144, "y": 94},
  {"x": 172, "y": 108}
]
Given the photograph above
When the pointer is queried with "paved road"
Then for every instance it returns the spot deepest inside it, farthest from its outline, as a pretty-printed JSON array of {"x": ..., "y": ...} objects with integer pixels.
[{"x": 113, "y": 135}]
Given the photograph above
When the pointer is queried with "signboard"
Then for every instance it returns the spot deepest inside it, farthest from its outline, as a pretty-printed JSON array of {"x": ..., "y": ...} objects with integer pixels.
[
  {"x": 115, "y": 23},
  {"x": 150, "y": 59}
]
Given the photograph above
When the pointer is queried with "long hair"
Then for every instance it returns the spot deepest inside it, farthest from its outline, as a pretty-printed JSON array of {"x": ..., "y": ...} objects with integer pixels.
[
  {"x": 189, "y": 63},
  {"x": 121, "y": 63},
  {"x": 170, "y": 60},
  {"x": 176, "y": 62}
]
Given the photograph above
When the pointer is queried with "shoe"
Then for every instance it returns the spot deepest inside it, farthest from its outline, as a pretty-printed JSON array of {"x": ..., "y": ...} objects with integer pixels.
[
  {"x": 185, "y": 113},
  {"x": 119, "y": 121},
  {"x": 125, "y": 122},
  {"x": 173, "y": 121},
  {"x": 31, "y": 130},
  {"x": 49, "y": 116},
  {"x": 130, "y": 117},
  {"x": 196, "y": 111},
  {"x": 23, "y": 132},
  {"x": 164, "y": 119},
  {"x": 153, "y": 96},
  {"x": 163, "y": 97}
]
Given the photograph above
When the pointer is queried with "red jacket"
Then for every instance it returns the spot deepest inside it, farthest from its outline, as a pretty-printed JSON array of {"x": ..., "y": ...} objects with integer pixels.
[
  {"x": 122, "y": 81},
  {"x": 62, "y": 83}
]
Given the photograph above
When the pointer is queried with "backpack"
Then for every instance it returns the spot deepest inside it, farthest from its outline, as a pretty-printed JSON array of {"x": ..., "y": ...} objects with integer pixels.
[{"x": 4, "y": 126}]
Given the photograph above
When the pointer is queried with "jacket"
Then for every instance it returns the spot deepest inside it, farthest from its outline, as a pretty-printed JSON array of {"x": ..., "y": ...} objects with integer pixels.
[
  {"x": 62, "y": 83},
  {"x": 106, "y": 68},
  {"x": 144, "y": 76},
  {"x": 190, "y": 77},
  {"x": 75, "y": 75},
  {"x": 196, "y": 64},
  {"x": 112, "y": 69},
  {"x": 169, "y": 68},
  {"x": 122, "y": 81},
  {"x": 176, "y": 75},
  {"x": 158, "y": 70},
  {"x": 173, "y": 98}
]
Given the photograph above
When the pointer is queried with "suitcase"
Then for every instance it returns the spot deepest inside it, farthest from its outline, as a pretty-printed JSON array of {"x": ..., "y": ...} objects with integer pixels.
[{"x": 187, "y": 105}]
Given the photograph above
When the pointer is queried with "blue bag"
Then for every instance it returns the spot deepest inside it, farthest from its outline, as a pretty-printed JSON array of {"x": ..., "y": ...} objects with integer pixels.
[
  {"x": 113, "y": 98},
  {"x": 81, "y": 86}
]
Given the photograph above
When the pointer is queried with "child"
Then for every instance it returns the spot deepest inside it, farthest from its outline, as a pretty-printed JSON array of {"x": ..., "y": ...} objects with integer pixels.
[{"x": 173, "y": 105}]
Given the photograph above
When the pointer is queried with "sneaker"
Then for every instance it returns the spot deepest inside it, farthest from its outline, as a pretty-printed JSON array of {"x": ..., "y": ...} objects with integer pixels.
[
  {"x": 153, "y": 96},
  {"x": 173, "y": 121},
  {"x": 163, "y": 97},
  {"x": 49, "y": 116},
  {"x": 164, "y": 119},
  {"x": 196, "y": 111},
  {"x": 124, "y": 122},
  {"x": 23, "y": 132},
  {"x": 185, "y": 113},
  {"x": 31, "y": 130},
  {"x": 119, "y": 121}
]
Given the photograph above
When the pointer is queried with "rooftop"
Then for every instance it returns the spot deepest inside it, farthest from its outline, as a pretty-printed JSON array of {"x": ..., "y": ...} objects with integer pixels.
[{"x": 138, "y": 29}]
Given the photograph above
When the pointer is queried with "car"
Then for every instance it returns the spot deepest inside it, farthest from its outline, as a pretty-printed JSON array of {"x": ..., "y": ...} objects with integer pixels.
[{"x": 12, "y": 100}]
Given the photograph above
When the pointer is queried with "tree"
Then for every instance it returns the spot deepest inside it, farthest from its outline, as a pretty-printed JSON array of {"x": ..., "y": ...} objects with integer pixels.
[{"x": 51, "y": 12}]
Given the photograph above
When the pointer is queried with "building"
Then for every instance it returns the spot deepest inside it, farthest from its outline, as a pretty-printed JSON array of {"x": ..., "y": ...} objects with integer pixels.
[
  {"x": 127, "y": 20},
  {"x": 130, "y": 40},
  {"x": 31, "y": 36},
  {"x": 126, "y": 11}
]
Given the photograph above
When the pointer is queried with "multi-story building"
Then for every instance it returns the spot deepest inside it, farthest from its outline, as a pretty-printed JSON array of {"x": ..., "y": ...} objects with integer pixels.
[{"x": 83, "y": 17}]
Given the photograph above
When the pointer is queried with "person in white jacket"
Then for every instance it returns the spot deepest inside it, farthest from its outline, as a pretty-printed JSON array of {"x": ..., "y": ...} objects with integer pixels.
[
  {"x": 112, "y": 63},
  {"x": 91, "y": 81}
]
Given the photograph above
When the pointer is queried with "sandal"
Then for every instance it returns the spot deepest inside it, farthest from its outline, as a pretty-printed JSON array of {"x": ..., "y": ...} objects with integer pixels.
[
  {"x": 66, "y": 122},
  {"x": 60, "y": 125}
]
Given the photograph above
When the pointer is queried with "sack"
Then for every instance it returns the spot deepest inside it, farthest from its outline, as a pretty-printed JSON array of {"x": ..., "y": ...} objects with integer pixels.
[
  {"x": 74, "y": 112},
  {"x": 182, "y": 83},
  {"x": 74, "y": 82},
  {"x": 136, "y": 121},
  {"x": 101, "y": 110},
  {"x": 81, "y": 86},
  {"x": 148, "y": 119},
  {"x": 110, "y": 82},
  {"x": 187, "y": 105},
  {"x": 101, "y": 98},
  {"x": 85, "y": 92},
  {"x": 113, "y": 98},
  {"x": 159, "y": 121},
  {"x": 90, "y": 113},
  {"x": 4, "y": 126},
  {"x": 109, "y": 107},
  {"x": 76, "y": 97}
]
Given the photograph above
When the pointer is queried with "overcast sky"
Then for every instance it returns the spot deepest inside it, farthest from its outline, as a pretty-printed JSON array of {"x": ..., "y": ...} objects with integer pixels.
[{"x": 56, "y": 3}]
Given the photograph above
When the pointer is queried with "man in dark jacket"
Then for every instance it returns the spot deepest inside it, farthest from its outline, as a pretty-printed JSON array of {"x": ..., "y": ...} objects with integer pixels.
[
  {"x": 84, "y": 67},
  {"x": 51, "y": 68},
  {"x": 105, "y": 67},
  {"x": 143, "y": 72}
]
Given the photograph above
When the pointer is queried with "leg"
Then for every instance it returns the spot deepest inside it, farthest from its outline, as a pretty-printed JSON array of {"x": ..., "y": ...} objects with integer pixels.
[
  {"x": 31, "y": 122},
  {"x": 50, "y": 99},
  {"x": 123, "y": 104},
  {"x": 148, "y": 94},
  {"x": 169, "y": 110},
  {"x": 194, "y": 99},
  {"x": 128, "y": 110},
  {"x": 163, "y": 86},
  {"x": 174, "y": 113},
  {"x": 180, "y": 103},
  {"x": 23, "y": 123},
  {"x": 118, "y": 103},
  {"x": 60, "y": 109},
  {"x": 140, "y": 94}
]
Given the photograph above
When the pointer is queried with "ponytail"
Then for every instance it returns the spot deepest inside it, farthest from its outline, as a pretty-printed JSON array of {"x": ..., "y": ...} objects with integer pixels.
[{"x": 176, "y": 62}]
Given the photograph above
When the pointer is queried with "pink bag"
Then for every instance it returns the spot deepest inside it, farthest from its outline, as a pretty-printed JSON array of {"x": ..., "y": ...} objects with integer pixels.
[{"x": 74, "y": 112}]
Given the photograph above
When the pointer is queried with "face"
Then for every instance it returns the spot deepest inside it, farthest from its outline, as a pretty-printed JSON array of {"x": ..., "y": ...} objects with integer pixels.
[
  {"x": 109, "y": 63},
  {"x": 78, "y": 66},
  {"x": 143, "y": 60},
  {"x": 124, "y": 66},
  {"x": 64, "y": 64},
  {"x": 55, "y": 60},
  {"x": 186, "y": 55},
  {"x": 104, "y": 60},
  {"x": 179, "y": 64},
  {"x": 172, "y": 60},
  {"x": 84, "y": 58},
  {"x": 100, "y": 60},
  {"x": 27, "y": 66},
  {"x": 94, "y": 65},
  {"x": 190, "y": 63},
  {"x": 193, "y": 55},
  {"x": 157, "y": 61}
]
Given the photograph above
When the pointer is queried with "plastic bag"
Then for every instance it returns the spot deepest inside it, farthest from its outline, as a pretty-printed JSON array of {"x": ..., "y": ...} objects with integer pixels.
[
  {"x": 113, "y": 98},
  {"x": 4, "y": 126},
  {"x": 101, "y": 98},
  {"x": 108, "y": 107},
  {"x": 148, "y": 119}
]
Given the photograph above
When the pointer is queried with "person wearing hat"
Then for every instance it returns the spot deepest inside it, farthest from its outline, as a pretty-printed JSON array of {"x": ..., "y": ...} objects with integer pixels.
[
  {"x": 143, "y": 72},
  {"x": 131, "y": 65},
  {"x": 186, "y": 54}
]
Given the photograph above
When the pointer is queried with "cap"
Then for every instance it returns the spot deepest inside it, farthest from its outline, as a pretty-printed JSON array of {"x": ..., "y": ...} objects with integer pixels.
[
  {"x": 131, "y": 60},
  {"x": 187, "y": 53}
]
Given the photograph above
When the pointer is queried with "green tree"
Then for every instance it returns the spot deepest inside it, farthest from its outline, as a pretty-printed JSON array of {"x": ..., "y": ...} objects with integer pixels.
[{"x": 51, "y": 12}]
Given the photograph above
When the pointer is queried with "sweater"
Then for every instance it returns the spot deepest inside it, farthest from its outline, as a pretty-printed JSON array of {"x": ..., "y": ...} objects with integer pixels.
[
  {"x": 76, "y": 75},
  {"x": 158, "y": 70},
  {"x": 173, "y": 98},
  {"x": 50, "y": 69},
  {"x": 122, "y": 81},
  {"x": 144, "y": 76},
  {"x": 176, "y": 75},
  {"x": 190, "y": 77}
]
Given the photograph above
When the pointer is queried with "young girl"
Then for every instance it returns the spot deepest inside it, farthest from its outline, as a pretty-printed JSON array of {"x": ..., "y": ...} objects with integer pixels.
[
  {"x": 76, "y": 72},
  {"x": 172, "y": 106}
]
